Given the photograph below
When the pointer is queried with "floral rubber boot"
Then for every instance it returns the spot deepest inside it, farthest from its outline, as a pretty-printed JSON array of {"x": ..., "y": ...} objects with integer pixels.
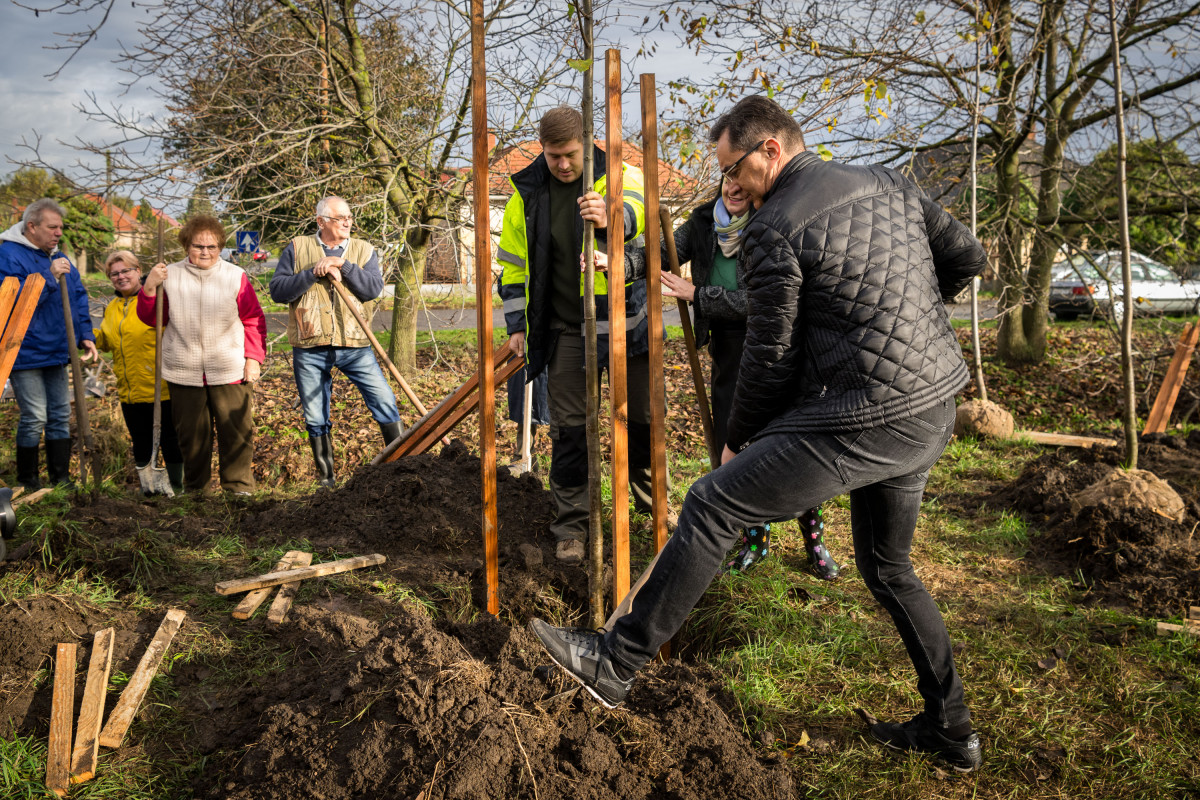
[
  {"x": 756, "y": 545},
  {"x": 820, "y": 563}
]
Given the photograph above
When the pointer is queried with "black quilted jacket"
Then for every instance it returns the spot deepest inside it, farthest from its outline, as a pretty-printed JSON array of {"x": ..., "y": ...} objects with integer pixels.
[{"x": 847, "y": 272}]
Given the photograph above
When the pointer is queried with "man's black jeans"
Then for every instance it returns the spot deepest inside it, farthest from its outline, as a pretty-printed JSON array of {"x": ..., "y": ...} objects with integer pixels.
[{"x": 777, "y": 478}]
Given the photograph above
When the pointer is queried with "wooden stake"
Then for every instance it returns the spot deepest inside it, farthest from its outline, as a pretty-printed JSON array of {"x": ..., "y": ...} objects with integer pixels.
[
  {"x": 1194, "y": 613},
  {"x": 62, "y": 709},
  {"x": 287, "y": 591},
  {"x": 303, "y": 573},
  {"x": 658, "y": 410},
  {"x": 423, "y": 433},
  {"x": 18, "y": 318},
  {"x": 689, "y": 339},
  {"x": 251, "y": 602},
  {"x": 483, "y": 308},
  {"x": 1160, "y": 413},
  {"x": 618, "y": 385},
  {"x": 91, "y": 712},
  {"x": 1064, "y": 439},
  {"x": 122, "y": 715},
  {"x": 32, "y": 497}
]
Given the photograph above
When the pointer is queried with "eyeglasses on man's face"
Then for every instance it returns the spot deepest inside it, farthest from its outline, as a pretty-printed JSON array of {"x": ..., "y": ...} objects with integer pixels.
[
  {"x": 732, "y": 170},
  {"x": 346, "y": 220},
  {"x": 121, "y": 272}
]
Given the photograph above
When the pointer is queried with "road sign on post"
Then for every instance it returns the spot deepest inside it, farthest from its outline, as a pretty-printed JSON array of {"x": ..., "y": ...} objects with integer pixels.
[{"x": 247, "y": 241}]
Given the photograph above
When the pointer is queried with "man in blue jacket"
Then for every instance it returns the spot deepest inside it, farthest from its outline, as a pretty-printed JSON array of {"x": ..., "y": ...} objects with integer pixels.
[{"x": 39, "y": 376}]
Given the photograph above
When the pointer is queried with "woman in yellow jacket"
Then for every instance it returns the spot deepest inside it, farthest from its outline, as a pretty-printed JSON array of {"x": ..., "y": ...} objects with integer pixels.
[{"x": 131, "y": 342}]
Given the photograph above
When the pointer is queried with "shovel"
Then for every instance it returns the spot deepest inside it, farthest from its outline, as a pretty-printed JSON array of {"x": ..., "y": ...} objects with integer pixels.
[
  {"x": 526, "y": 462},
  {"x": 81, "y": 415},
  {"x": 154, "y": 479}
]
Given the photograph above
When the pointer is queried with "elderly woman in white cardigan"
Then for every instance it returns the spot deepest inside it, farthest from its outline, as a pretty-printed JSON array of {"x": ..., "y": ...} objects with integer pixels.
[{"x": 214, "y": 343}]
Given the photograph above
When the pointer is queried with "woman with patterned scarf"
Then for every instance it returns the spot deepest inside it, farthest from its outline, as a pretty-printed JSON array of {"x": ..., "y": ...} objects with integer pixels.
[{"x": 711, "y": 239}]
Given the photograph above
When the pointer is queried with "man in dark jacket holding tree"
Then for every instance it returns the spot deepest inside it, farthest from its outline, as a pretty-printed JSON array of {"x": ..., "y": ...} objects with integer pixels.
[{"x": 846, "y": 385}]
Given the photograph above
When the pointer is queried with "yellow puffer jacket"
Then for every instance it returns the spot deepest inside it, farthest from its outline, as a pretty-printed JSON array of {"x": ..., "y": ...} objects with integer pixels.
[{"x": 131, "y": 342}]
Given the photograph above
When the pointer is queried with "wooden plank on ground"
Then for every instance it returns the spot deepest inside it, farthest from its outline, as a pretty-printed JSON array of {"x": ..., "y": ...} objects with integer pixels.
[
  {"x": 1160, "y": 412},
  {"x": 62, "y": 710},
  {"x": 1168, "y": 628},
  {"x": 91, "y": 712},
  {"x": 122, "y": 716},
  {"x": 277, "y": 578},
  {"x": 32, "y": 497},
  {"x": 287, "y": 591},
  {"x": 251, "y": 602},
  {"x": 1063, "y": 439}
]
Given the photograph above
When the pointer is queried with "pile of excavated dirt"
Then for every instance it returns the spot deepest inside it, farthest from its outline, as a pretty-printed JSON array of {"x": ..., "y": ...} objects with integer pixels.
[
  {"x": 1134, "y": 558},
  {"x": 364, "y": 695}
]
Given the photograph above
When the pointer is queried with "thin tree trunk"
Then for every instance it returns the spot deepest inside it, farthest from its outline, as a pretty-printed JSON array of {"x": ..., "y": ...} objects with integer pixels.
[
  {"x": 591, "y": 347},
  {"x": 977, "y": 356},
  {"x": 1129, "y": 418},
  {"x": 402, "y": 349}
]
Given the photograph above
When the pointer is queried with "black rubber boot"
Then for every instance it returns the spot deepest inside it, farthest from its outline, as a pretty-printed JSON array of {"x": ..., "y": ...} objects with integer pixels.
[
  {"x": 391, "y": 431},
  {"x": 322, "y": 448},
  {"x": 27, "y": 468},
  {"x": 812, "y": 522},
  {"x": 756, "y": 545},
  {"x": 58, "y": 462},
  {"x": 175, "y": 476}
]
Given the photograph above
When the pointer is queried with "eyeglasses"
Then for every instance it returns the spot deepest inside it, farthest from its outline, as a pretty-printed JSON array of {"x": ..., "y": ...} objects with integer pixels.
[
  {"x": 203, "y": 247},
  {"x": 121, "y": 272},
  {"x": 346, "y": 219},
  {"x": 732, "y": 170}
]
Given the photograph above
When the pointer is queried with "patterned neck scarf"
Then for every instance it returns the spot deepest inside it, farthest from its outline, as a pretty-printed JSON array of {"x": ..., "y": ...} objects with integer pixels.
[{"x": 729, "y": 229}]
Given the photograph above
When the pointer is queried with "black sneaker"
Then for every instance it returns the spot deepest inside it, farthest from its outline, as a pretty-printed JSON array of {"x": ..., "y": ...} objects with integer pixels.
[
  {"x": 918, "y": 736},
  {"x": 578, "y": 651}
]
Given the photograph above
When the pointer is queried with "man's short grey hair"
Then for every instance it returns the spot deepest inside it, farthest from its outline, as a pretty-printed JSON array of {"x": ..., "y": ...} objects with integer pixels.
[
  {"x": 38, "y": 208},
  {"x": 324, "y": 203}
]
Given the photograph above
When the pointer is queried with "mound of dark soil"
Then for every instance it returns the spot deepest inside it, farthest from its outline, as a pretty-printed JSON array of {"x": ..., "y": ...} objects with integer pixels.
[
  {"x": 469, "y": 712},
  {"x": 359, "y": 695},
  {"x": 1134, "y": 557}
]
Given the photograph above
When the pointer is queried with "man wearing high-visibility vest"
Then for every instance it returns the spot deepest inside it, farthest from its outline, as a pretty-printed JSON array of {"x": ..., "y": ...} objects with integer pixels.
[{"x": 540, "y": 251}]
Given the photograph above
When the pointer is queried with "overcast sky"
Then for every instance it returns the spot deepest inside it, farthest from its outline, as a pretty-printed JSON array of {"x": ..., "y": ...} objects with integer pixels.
[{"x": 38, "y": 108}]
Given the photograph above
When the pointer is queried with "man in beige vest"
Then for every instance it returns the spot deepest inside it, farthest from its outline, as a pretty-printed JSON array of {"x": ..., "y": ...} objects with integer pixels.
[{"x": 323, "y": 332}]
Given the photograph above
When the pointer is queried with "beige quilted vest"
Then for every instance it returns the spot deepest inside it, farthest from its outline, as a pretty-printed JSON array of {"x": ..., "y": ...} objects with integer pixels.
[{"x": 320, "y": 317}]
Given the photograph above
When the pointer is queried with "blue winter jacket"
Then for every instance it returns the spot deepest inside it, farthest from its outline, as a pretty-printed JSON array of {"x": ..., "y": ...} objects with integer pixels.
[{"x": 45, "y": 343}]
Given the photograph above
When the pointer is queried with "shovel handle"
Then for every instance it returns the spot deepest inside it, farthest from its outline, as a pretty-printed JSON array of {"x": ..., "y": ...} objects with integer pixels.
[
  {"x": 81, "y": 415},
  {"x": 689, "y": 338},
  {"x": 379, "y": 351}
]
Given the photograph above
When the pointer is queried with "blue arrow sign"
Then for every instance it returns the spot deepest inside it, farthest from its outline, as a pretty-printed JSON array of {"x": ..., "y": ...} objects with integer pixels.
[{"x": 247, "y": 241}]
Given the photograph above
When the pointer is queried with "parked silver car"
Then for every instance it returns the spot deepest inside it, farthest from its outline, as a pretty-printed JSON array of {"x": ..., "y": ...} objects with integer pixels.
[{"x": 1081, "y": 285}]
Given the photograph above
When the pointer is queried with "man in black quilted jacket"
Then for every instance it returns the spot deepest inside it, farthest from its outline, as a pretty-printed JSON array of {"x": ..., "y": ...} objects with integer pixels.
[{"x": 846, "y": 385}]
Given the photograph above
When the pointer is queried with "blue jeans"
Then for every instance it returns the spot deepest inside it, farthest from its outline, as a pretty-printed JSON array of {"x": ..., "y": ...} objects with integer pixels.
[
  {"x": 313, "y": 367},
  {"x": 45, "y": 403},
  {"x": 778, "y": 477}
]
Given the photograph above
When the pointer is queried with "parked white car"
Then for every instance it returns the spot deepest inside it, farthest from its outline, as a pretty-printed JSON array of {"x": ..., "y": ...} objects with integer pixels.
[{"x": 1082, "y": 283}]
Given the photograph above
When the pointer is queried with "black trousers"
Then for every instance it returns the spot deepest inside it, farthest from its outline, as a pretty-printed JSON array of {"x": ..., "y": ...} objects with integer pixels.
[
  {"x": 725, "y": 345},
  {"x": 139, "y": 419}
]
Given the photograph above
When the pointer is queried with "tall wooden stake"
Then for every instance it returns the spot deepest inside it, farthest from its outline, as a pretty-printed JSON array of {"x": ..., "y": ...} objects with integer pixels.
[
  {"x": 658, "y": 410},
  {"x": 483, "y": 306},
  {"x": 977, "y": 354},
  {"x": 591, "y": 350},
  {"x": 618, "y": 387}
]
